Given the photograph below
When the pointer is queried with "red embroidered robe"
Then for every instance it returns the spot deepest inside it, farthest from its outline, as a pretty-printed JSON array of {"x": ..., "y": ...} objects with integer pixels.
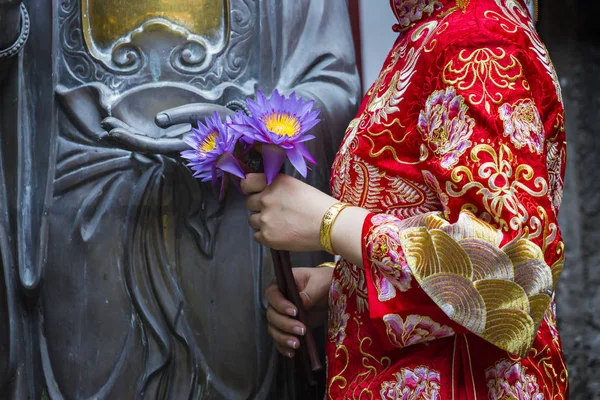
[{"x": 458, "y": 150}]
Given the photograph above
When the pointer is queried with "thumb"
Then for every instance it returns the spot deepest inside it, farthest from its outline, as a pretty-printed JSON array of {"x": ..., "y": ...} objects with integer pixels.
[{"x": 307, "y": 302}]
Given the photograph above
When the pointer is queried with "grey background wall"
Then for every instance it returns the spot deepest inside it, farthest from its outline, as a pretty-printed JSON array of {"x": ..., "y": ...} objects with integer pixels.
[
  {"x": 570, "y": 30},
  {"x": 377, "y": 37}
]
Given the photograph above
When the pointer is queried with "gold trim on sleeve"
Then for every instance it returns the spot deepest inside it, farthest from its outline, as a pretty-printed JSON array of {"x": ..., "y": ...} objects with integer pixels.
[{"x": 499, "y": 293}]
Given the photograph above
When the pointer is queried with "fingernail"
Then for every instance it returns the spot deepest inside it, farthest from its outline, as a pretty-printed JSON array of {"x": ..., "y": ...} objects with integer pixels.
[
  {"x": 162, "y": 119},
  {"x": 292, "y": 344},
  {"x": 289, "y": 354},
  {"x": 291, "y": 311},
  {"x": 299, "y": 331}
]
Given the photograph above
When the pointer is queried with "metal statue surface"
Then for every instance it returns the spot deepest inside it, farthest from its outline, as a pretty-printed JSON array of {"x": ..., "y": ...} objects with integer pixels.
[{"x": 123, "y": 277}]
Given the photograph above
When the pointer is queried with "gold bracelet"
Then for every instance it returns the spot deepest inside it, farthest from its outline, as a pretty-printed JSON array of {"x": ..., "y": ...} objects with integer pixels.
[
  {"x": 327, "y": 224},
  {"x": 326, "y": 265}
]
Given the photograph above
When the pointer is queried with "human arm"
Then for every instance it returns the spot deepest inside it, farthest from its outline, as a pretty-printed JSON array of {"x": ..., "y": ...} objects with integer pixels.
[{"x": 487, "y": 264}]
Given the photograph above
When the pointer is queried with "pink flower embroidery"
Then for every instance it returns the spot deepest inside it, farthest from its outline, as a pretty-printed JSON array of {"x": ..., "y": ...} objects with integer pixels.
[
  {"x": 445, "y": 126},
  {"x": 522, "y": 123},
  {"x": 338, "y": 318},
  {"x": 389, "y": 270},
  {"x": 507, "y": 380},
  {"x": 421, "y": 383},
  {"x": 415, "y": 329},
  {"x": 409, "y": 11}
]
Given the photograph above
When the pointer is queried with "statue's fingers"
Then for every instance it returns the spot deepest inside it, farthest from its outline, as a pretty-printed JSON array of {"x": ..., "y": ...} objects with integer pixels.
[
  {"x": 144, "y": 144},
  {"x": 176, "y": 131},
  {"x": 110, "y": 123},
  {"x": 189, "y": 114}
]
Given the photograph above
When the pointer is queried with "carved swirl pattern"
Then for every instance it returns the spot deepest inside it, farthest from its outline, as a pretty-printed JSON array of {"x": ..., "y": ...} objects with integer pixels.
[{"x": 130, "y": 66}]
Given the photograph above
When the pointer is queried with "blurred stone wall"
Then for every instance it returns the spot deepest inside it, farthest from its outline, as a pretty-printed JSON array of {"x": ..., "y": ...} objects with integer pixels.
[{"x": 570, "y": 29}]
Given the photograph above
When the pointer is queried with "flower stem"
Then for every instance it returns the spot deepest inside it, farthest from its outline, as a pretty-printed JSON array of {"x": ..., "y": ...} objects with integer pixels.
[
  {"x": 282, "y": 264},
  {"x": 294, "y": 296}
]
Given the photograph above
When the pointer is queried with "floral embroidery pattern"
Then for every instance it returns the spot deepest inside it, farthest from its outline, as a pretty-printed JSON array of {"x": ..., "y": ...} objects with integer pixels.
[
  {"x": 352, "y": 279},
  {"x": 338, "y": 318},
  {"x": 522, "y": 123},
  {"x": 445, "y": 126},
  {"x": 505, "y": 181},
  {"x": 514, "y": 18},
  {"x": 390, "y": 271},
  {"x": 415, "y": 329},
  {"x": 410, "y": 11},
  {"x": 421, "y": 383},
  {"x": 490, "y": 71},
  {"x": 506, "y": 380}
]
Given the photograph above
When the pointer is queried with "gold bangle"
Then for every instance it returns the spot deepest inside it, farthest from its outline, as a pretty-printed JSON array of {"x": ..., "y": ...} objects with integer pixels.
[
  {"x": 326, "y": 265},
  {"x": 327, "y": 224}
]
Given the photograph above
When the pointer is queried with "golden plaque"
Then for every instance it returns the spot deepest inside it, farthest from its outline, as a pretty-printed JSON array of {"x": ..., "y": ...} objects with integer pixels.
[{"x": 108, "y": 23}]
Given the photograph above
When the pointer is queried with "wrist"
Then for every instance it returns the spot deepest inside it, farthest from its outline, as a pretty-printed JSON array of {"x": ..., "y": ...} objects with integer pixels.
[
  {"x": 324, "y": 207},
  {"x": 346, "y": 234},
  {"x": 327, "y": 222}
]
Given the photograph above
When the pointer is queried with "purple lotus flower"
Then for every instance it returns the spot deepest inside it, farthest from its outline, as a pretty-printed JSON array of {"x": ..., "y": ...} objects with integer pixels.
[
  {"x": 279, "y": 125},
  {"x": 212, "y": 156}
]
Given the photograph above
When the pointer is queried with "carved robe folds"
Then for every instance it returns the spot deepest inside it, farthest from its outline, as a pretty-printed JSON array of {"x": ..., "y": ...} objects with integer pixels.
[{"x": 144, "y": 284}]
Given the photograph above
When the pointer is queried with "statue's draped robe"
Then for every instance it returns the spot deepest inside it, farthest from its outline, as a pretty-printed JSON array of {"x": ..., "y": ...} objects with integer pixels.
[{"x": 147, "y": 285}]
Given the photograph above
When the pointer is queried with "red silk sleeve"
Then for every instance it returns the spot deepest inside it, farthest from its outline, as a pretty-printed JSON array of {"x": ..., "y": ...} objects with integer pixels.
[{"x": 493, "y": 151}]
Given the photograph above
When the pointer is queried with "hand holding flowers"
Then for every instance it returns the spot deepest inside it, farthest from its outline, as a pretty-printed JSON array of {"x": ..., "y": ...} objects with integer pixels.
[
  {"x": 288, "y": 212},
  {"x": 277, "y": 130}
]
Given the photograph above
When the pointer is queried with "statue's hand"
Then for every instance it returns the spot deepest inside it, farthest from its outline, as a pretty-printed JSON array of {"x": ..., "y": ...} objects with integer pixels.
[
  {"x": 176, "y": 122},
  {"x": 125, "y": 137},
  {"x": 189, "y": 114}
]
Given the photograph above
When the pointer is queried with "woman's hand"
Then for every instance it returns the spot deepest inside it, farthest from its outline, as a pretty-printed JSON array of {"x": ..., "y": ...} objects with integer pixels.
[
  {"x": 288, "y": 212},
  {"x": 313, "y": 284}
]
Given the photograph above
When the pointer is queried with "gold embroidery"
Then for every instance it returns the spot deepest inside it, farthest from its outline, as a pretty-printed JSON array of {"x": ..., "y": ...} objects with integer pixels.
[
  {"x": 555, "y": 159},
  {"x": 353, "y": 280},
  {"x": 343, "y": 382},
  {"x": 515, "y": 18},
  {"x": 486, "y": 67},
  {"x": 559, "y": 265},
  {"x": 405, "y": 198},
  {"x": 360, "y": 386},
  {"x": 541, "y": 361},
  {"x": 374, "y": 367},
  {"x": 410, "y": 11},
  {"x": 500, "y": 294},
  {"x": 386, "y": 102},
  {"x": 470, "y": 368},
  {"x": 503, "y": 184},
  {"x": 380, "y": 106},
  {"x": 401, "y": 196}
]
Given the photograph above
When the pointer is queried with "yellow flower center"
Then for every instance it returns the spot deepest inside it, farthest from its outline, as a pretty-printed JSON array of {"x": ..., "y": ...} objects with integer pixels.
[
  {"x": 282, "y": 124},
  {"x": 209, "y": 143}
]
